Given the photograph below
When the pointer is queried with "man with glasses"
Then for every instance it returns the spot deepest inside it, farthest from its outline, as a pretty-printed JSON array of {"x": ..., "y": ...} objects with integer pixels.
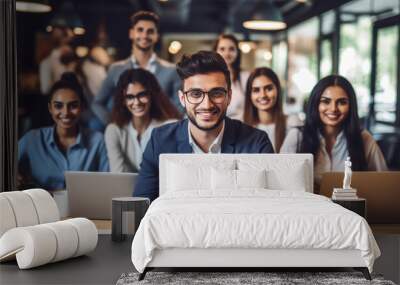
[{"x": 205, "y": 96}]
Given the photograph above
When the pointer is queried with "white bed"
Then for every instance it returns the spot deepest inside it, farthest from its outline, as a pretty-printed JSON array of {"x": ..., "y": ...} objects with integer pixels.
[{"x": 243, "y": 210}]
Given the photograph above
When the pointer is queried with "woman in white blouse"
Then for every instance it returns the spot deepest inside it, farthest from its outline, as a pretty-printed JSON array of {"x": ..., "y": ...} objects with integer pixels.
[
  {"x": 332, "y": 131},
  {"x": 263, "y": 106},
  {"x": 228, "y": 47},
  {"x": 139, "y": 107}
]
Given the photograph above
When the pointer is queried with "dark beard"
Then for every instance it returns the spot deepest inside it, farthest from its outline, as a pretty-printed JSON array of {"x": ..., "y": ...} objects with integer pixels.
[
  {"x": 144, "y": 49},
  {"x": 217, "y": 124}
]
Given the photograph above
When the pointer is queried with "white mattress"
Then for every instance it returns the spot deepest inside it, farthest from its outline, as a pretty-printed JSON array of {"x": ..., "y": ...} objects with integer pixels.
[{"x": 253, "y": 218}]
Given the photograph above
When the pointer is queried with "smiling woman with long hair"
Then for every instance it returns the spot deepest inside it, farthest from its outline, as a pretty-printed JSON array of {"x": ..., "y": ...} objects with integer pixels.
[
  {"x": 332, "y": 131},
  {"x": 44, "y": 154},
  {"x": 227, "y": 46},
  {"x": 263, "y": 106},
  {"x": 139, "y": 107}
]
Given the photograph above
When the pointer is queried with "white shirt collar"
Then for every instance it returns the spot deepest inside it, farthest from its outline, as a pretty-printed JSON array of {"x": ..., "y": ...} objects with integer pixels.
[
  {"x": 140, "y": 146},
  {"x": 339, "y": 138},
  {"x": 150, "y": 65},
  {"x": 215, "y": 147},
  {"x": 333, "y": 162}
]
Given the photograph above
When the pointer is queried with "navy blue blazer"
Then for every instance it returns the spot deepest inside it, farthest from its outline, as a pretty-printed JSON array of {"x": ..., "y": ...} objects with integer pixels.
[{"x": 174, "y": 138}]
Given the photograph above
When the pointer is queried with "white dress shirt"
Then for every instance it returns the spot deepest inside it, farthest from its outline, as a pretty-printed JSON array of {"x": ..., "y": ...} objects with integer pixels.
[
  {"x": 335, "y": 162},
  {"x": 95, "y": 74},
  {"x": 291, "y": 121},
  {"x": 124, "y": 149},
  {"x": 215, "y": 147},
  {"x": 50, "y": 70},
  {"x": 236, "y": 107}
]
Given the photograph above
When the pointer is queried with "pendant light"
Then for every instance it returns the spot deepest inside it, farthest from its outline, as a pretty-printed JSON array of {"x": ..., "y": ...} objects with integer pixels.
[
  {"x": 265, "y": 16},
  {"x": 33, "y": 6}
]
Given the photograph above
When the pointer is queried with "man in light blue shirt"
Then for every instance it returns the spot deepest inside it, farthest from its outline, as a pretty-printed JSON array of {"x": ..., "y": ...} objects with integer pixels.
[
  {"x": 144, "y": 34},
  {"x": 42, "y": 162}
]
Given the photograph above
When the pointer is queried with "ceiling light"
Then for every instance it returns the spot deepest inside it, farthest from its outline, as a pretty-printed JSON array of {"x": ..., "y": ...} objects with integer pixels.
[
  {"x": 79, "y": 31},
  {"x": 265, "y": 17},
  {"x": 66, "y": 16},
  {"x": 246, "y": 46},
  {"x": 174, "y": 47},
  {"x": 267, "y": 55},
  {"x": 32, "y": 6}
]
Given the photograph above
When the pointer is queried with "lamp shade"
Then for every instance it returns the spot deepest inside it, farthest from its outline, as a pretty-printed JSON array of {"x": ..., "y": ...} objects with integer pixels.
[
  {"x": 265, "y": 16},
  {"x": 32, "y": 6},
  {"x": 66, "y": 16}
]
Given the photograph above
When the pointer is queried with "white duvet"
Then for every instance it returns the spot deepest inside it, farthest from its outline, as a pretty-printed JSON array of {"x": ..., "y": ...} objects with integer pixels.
[{"x": 253, "y": 218}]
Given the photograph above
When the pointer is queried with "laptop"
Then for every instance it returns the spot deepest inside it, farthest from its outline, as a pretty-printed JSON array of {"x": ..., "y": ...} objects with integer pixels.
[
  {"x": 380, "y": 189},
  {"x": 90, "y": 193}
]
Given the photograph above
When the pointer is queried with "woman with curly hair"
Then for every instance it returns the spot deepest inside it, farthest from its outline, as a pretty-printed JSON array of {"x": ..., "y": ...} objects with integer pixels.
[{"x": 139, "y": 107}]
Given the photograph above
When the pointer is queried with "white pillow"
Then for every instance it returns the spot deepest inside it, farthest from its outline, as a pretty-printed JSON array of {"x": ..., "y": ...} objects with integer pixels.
[
  {"x": 251, "y": 178},
  {"x": 193, "y": 175},
  {"x": 223, "y": 179},
  {"x": 293, "y": 179},
  {"x": 281, "y": 174}
]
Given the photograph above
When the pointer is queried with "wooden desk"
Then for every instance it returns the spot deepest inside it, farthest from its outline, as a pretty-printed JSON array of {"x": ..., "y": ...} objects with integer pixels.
[
  {"x": 387, "y": 229},
  {"x": 102, "y": 224}
]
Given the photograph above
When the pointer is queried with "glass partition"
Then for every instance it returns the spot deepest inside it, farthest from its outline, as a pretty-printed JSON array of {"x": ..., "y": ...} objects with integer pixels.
[
  {"x": 355, "y": 58},
  {"x": 326, "y": 58},
  {"x": 279, "y": 61},
  {"x": 302, "y": 59},
  {"x": 386, "y": 74}
]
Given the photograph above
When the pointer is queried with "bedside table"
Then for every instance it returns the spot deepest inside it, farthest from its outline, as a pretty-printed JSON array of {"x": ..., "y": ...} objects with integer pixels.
[
  {"x": 358, "y": 206},
  {"x": 120, "y": 205}
]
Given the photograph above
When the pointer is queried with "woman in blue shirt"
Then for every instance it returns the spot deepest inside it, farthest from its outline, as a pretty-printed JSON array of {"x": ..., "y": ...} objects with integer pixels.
[{"x": 45, "y": 153}]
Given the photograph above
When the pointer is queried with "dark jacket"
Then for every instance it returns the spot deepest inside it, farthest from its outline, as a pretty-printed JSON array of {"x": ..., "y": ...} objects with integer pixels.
[{"x": 174, "y": 138}]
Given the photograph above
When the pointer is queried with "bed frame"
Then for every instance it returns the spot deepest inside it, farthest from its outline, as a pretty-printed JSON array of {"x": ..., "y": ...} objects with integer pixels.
[
  {"x": 243, "y": 259},
  {"x": 251, "y": 258}
]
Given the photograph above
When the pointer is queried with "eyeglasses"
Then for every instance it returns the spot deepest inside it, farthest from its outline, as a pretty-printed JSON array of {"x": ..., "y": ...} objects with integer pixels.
[
  {"x": 142, "y": 97},
  {"x": 196, "y": 96}
]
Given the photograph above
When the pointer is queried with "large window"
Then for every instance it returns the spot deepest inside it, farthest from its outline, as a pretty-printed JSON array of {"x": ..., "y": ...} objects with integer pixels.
[
  {"x": 386, "y": 74},
  {"x": 326, "y": 43},
  {"x": 355, "y": 58},
  {"x": 325, "y": 64},
  {"x": 302, "y": 69},
  {"x": 279, "y": 61}
]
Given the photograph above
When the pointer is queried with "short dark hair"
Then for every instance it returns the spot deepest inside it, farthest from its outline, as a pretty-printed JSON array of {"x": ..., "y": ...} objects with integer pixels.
[
  {"x": 203, "y": 62},
  {"x": 69, "y": 81},
  {"x": 145, "y": 16}
]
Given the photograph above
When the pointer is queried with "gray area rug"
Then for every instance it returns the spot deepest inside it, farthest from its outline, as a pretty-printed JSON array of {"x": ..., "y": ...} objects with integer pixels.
[{"x": 229, "y": 278}]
